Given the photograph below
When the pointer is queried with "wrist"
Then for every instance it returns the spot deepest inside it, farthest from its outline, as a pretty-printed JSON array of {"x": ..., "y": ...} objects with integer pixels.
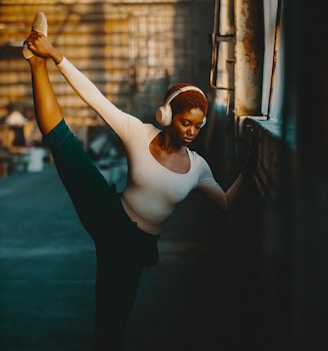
[{"x": 57, "y": 57}]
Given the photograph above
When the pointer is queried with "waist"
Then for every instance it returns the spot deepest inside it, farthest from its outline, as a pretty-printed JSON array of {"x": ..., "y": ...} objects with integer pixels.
[{"x": 145, "y": 226}]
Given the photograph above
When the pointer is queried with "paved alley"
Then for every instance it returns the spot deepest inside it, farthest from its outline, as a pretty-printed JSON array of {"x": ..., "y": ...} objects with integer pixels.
[{"x": 47, "y": 273}]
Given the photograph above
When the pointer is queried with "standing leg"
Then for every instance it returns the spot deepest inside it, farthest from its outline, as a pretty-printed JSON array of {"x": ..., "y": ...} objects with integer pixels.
[{"x": 116, "y": 292}]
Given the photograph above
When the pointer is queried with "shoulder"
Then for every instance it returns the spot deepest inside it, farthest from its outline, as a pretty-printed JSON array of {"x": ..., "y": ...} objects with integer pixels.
[
  {"x": 197, "y": 160},
  {"x": 139, "y": 126},
  {"x": 200, "y": 166},
  {"x": 136, "y": 129}
]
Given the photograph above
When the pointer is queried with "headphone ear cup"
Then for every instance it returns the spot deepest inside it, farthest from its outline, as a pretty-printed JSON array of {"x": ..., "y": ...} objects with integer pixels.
[
  {"x": 204, "y": 122},
  {"x": 164, "y": 115}
]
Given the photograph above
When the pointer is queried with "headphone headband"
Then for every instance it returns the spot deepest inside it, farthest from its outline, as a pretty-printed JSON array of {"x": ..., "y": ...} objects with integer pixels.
[
  {"x": 164, "y": 112},
  {"x": 181, "y": 90}
]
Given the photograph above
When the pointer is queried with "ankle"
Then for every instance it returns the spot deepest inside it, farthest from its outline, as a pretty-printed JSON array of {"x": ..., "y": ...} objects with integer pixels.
[{"x": 37, "y": 60}]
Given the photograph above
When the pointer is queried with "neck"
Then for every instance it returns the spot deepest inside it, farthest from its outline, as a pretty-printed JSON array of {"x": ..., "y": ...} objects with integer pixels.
[{"x": 166, "y": 143}]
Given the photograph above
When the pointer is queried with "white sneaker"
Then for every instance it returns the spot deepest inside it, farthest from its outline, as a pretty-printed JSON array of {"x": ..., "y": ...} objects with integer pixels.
[{"x": 39, "y": 25}]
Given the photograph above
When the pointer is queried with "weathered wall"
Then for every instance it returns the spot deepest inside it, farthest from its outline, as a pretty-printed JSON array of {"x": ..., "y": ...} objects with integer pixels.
[{"x": 131, "y": 50}]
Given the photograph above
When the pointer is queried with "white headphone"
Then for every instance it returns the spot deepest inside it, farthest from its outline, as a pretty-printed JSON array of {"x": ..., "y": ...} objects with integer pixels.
[{"x": 164, "y": 112}]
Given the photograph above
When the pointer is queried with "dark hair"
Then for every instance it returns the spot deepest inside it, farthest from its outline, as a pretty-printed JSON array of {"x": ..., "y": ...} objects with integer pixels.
[{"x": 187, "y": 100}]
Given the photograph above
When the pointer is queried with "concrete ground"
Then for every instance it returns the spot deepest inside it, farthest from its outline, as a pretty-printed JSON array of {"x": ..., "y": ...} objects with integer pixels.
[{"x": 189, "y": 301}]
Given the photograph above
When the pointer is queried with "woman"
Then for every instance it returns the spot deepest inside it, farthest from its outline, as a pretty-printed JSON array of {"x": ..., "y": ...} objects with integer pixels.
[{"x": 162, "y": 171}]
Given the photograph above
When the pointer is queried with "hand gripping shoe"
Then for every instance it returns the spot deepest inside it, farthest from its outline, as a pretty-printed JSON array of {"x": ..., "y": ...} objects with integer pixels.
[{"x": 39, "y": 25}]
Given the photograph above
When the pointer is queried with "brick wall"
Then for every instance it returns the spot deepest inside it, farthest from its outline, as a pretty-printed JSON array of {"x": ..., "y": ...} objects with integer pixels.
[{"x": 131, "y": 51}]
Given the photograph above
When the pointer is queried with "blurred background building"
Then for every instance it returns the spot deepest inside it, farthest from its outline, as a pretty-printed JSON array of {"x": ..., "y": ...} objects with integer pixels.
[{"x": 131, "y": 50}]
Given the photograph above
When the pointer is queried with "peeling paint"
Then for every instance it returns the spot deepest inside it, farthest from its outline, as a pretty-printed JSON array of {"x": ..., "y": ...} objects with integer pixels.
[{"x": 249, "y": 57}]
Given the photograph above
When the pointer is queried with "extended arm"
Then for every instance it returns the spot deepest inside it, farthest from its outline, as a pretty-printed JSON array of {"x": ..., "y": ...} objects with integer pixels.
[
  {"x": 87, "y": 91},
  {"x": 222, "y": 199},
  {"x": 209, "y": 187},
  {"x": 91, "y": 95}
]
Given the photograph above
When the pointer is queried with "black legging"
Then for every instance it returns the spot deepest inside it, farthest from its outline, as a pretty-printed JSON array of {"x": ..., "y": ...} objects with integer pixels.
[{"x": 122, "y": 249}]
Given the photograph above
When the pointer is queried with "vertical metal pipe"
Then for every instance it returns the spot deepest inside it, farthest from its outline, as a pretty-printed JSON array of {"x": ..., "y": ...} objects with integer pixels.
[{"x": 249, "y": 57}]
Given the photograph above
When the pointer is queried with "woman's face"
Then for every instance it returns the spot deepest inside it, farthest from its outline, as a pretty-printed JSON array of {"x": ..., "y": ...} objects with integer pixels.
[{"x": 186, "y": 126}]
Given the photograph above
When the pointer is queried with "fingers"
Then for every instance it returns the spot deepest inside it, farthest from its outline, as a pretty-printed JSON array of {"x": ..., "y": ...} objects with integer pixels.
[
  {"x": 35, "y": 44},
  {"x": 33, "y": 37},
  {"x": 30, "y": 45}
]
